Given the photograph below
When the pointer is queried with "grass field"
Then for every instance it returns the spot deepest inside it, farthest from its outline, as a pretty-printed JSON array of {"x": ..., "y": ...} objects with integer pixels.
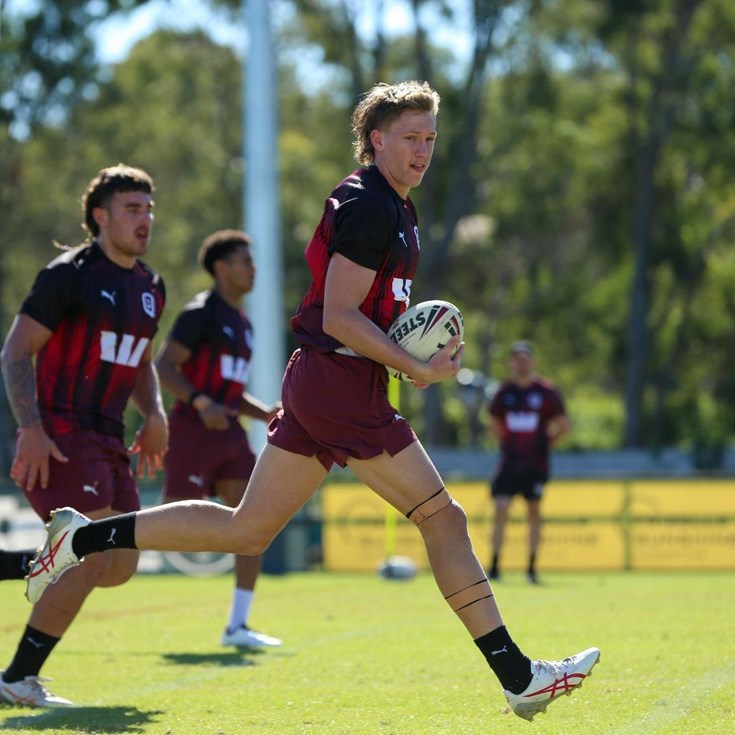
[{"x": 366, "y": 656}]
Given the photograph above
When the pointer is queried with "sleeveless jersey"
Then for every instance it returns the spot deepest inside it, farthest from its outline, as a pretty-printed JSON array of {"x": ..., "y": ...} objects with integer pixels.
[
  {"x": 102, "y": 318},
  {"x": 525, "y": 414},
  {"x": 221, "y": 342},
  {"x": 366, "y": 221}
]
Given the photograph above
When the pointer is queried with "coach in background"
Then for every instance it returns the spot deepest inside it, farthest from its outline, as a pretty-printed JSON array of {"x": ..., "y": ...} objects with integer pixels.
[
  {"x": 89, "y": 321},
  {"x": 204, "y": 363},
  {"x": 527, "y": 418}
]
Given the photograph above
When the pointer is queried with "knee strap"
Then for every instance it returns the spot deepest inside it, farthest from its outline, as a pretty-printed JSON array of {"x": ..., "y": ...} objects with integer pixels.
[
  {"x": 469, "y": 595},
  {"x": 438, "y": 501}
]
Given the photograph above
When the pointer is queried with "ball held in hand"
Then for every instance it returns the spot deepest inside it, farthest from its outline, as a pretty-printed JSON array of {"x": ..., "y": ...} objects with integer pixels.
[{"x": 422, "y": 330}]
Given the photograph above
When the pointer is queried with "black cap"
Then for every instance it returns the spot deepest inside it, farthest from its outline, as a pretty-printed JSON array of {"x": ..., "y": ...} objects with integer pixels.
[{"x": 522, "y": 347}]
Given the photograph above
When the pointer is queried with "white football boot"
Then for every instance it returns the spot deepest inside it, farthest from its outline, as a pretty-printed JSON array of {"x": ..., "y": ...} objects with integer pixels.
[
  {"x": 243, "y": 637},
  {"x": 56, "y": 556},
  {"x": 550, "y": 680},
  {"x": 30, "y": 692}
]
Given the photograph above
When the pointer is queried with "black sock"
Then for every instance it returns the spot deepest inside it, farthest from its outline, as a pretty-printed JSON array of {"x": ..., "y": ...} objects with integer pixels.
[
  {"x": 494, "y": 568},
  {"x": 117, "y": 532},
  {"x": 512, "y": 667},
  {"x": 14, "y": 564},
  {"x": 33, "y": 650},
  {"x": 532, "y": 564}
]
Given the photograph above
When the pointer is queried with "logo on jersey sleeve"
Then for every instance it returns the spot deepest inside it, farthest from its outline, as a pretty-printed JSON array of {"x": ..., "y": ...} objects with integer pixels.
[
  {"x": 402, "y": 289},
  {"x": 149, "y": 304},
  {"x": 122, "y": 349},
  {"x": 234, "y": 368}
]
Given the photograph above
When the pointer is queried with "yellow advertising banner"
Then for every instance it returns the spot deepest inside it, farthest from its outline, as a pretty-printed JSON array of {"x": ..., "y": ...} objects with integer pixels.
[
  {"x": 678, "y": 546},
  {"x": 589, "y": 525}
]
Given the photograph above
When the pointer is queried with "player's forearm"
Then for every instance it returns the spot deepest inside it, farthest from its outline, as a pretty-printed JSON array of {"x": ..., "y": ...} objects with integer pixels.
[
  {"x": 174, "y": 382},
  {"x": 354, "y": 330},
  {"x": 252, "y": 407},
  {"x": 20, "y": 386},
  {"x": 147, "y": 391},
  {"x": 558, "y": 430}
]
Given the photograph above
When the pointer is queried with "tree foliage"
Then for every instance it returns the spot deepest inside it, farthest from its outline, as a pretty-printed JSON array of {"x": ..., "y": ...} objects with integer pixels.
[{"x": 580, "y": 195}]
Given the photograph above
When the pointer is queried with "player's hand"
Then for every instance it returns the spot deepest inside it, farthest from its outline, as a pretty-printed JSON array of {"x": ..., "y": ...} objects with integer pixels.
[
  {"x": 442, "y": 365},
  {"x": 31, "y": 462},
  {"x": 273, "y": 412},
  {"x": 215, "y": 417},
  {"x": 150, "y": 444}
]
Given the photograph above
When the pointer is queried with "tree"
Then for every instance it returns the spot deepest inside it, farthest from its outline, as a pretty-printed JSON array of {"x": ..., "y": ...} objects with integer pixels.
[
  {"x": 662, "y": 49},
  {"x": 47, "y": 65}
]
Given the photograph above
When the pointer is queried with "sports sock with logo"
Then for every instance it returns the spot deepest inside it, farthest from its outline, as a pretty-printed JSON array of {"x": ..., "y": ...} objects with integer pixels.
[
  {"x": 117, "y": 532},
  {"x": 14, "y": 564},
  {"x": 33, "y": 650},
  {"x": 512, "y": 667}
]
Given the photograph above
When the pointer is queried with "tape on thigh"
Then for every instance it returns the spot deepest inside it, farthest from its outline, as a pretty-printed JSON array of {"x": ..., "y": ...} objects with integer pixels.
[
  {"x": 438, "y": 501},
  {"x": 469, "y": 595}
]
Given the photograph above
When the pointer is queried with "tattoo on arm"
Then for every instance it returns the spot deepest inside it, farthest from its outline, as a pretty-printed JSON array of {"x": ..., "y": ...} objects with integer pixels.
[{"x": 20, "y": 384}]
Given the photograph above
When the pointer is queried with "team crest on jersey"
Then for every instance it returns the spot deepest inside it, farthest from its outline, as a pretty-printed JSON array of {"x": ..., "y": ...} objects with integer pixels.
[
  {"x": 149, "y": 304},
  {"x": 535, "y": 400}
]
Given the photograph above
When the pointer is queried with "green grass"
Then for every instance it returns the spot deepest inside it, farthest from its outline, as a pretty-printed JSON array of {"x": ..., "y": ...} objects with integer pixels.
[{"x": 367, "y": 656}]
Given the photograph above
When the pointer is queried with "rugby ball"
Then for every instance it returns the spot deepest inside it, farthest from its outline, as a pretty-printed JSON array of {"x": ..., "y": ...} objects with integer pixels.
[
  {"x": 422, "y": 330},
  {"x": 398, "y": 567}
]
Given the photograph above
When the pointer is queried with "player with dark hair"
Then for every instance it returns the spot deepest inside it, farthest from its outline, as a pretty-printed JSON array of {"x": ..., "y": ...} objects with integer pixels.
[
  {"x": 362, "y": 257},
  {"x": 88, "y": 320},
  {"x": 204, "y": 363},
  {"x": 527, "y": 417}
]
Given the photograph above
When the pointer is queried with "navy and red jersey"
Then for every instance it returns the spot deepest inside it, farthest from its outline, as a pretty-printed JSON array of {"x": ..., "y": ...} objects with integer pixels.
[
  {"x": 102, "y": 318},
  {"x": 366, "y": 221},
  {"x": 220, "y": 338},
  {"x": 525, "y": 413}
]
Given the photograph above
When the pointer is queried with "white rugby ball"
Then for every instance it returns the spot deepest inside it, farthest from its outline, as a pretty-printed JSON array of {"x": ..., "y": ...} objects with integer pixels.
[
  {"x": 422, "y": 330},
  {"x": 398, "y": 567}
]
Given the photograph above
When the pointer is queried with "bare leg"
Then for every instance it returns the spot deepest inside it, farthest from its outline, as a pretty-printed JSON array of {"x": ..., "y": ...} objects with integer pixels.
[
  {"x": 534, "y": 527},
  {"x": 247, "y": 568},
  {"x": 56, "y": 610},
  {"x": 281, "y": 483},
  {"x": 405, "y": 481},
  {"x": 501, "y": 505}
]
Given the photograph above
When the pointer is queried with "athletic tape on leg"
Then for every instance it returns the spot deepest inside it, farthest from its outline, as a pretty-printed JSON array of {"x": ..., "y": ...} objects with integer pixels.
[
  {"x": 429, "y": 507},
  {"x": 470, "y": 595}
]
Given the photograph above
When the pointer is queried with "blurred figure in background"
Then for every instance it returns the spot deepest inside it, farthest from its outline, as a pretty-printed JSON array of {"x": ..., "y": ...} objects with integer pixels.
[
  {"x": 204, "y": 363},
  {"x": 527, "y": 418}
]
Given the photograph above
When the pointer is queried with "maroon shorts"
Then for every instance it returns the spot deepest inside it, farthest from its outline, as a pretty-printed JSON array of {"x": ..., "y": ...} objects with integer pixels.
[
  {"x": 96, "y": 476},
  {"x": 335, "y": 407},
  {"x": 199, "y": 457}
]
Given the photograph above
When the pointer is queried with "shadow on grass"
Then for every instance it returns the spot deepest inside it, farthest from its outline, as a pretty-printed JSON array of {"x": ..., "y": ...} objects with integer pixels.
[
  {"x": 84, "y": 719},
  {"x": 230, "y": 658}
]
